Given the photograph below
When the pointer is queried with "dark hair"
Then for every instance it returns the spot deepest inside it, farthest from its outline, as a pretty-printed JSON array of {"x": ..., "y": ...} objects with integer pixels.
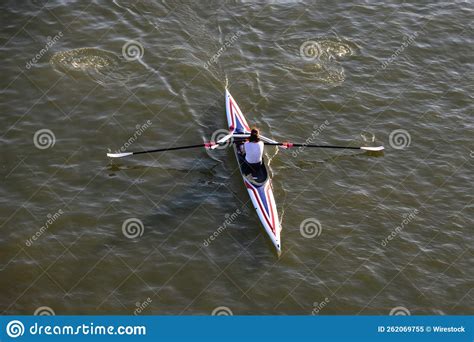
[{"x": 254, "y": 135}]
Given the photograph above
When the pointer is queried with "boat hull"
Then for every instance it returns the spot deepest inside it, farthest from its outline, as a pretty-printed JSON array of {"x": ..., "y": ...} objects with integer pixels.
[{"x": 259, "y": 184}]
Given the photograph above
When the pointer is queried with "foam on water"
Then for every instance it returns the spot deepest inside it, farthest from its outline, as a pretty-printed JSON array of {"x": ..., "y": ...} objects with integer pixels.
[
  {"x": 318, "y": 59},
  {"x": 103, "y": 67}
]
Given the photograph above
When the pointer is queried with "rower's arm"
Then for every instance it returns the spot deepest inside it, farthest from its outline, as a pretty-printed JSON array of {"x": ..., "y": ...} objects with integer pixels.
[{"x": 268, "y": 140}]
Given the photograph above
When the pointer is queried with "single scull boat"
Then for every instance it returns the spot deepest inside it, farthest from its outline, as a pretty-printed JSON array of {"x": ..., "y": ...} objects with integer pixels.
[{"x": 259, "y": 185}]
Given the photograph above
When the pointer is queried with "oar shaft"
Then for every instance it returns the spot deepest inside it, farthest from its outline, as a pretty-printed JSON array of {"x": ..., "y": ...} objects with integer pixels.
[
  {"x": 126, "y": 154},
  {"x": 171, "y": 148},
  {"x": 212, "y": 145},
  {"x": 364, "y": 148},
  {"x": 309, "y": 145}
]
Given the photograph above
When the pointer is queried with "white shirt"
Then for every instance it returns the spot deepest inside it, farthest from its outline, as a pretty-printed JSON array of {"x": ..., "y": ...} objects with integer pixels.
[{"x": 253, "y": 152}]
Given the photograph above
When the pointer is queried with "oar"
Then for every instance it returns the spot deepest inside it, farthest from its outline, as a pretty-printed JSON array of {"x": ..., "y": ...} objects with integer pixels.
[
  {"x": 126, "y": 154},
  {"x": 365, "y": 148},
  {"x": 212, "y": 145},
  {"x": 268, "y": 141}
]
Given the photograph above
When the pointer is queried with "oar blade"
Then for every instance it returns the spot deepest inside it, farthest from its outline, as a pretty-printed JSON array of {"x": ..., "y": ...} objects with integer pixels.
[
  {"x": 224, "y": 139},
  {"x": 119, "y": 155},
  {"x": 373, "y": 149}
]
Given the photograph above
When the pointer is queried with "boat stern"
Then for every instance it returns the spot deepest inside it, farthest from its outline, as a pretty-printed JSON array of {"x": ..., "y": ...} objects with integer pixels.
[{"x": 264, "y": 203}]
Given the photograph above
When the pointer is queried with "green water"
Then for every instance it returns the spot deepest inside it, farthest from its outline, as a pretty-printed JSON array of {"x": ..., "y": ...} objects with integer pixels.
[{"x": 80, "y": 79}]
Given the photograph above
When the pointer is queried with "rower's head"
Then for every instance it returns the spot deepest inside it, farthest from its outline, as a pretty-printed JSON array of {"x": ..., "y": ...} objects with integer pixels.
[{"x": 254, "y": 135}]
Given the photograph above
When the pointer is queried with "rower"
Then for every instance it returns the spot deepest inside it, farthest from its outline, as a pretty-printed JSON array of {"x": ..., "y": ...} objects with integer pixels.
[{"x": 253, "y": 150}]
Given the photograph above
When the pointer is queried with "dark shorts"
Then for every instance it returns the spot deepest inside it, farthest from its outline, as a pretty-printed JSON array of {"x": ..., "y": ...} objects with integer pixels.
[{"x": 249, "y": 168}]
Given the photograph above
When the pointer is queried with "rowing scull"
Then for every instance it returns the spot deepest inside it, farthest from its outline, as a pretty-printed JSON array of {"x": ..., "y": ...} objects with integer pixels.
[{"x": 258, "y": 185}]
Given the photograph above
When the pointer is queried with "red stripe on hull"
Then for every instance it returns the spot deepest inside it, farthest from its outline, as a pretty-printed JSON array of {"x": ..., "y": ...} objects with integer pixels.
[
  {"x": 270, "y": 202},
  {"x": 235, "y": 113},
  {"x": 272, "y": 226}
]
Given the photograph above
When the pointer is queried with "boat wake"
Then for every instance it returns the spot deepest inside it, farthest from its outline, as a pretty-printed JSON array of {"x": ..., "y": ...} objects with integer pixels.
[
  {"x": 318, "y": 58},
  {"x": 100, "y": 66},
  {"x": 270, "y": 158},
  {"x": 367, "y": 137}
]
